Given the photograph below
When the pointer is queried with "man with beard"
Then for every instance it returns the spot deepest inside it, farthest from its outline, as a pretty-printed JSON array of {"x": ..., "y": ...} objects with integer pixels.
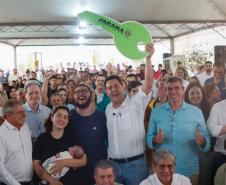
[{"x": 88, "y": 129}]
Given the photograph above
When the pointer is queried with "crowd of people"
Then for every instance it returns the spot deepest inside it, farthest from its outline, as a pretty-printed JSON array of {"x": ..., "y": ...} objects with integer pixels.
[{"x": 114, "y": 126}]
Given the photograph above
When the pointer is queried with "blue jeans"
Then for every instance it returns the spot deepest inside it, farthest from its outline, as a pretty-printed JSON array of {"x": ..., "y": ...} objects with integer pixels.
[{"x": 131, "y": 173}]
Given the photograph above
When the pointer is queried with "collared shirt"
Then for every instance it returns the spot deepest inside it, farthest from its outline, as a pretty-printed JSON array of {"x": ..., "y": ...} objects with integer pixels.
[
  {"x": 126, "y": 135},
  {"x": 3, "y": 79},
  {"x": 185, "y": 84},
  {"x": 15, "y": 154},
  {"x": 36, "y": 120},
  {"x": 177, "y": 180},
  {"x": 215, "y": 123},
  {"x": 203, "y": 77},
  {"x": 179, "y": 134},
  {"x": 99, "y": 96}
]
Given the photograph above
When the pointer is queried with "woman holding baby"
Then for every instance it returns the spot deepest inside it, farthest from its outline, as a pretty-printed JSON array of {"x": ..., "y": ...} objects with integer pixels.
[{"x": 55, "y": 159}]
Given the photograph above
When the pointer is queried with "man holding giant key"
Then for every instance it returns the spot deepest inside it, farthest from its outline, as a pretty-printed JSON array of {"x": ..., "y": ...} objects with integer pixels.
[{"x": 126, "y": 135}]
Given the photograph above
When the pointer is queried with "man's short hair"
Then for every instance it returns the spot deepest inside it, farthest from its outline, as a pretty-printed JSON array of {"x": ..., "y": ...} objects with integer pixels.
[
  {"x": 84, "y": 85},
  {"x": 163, "y": 155},
  {"x": 179, "y": 62},
  {"x": 132, "y": 75},
  {"x": 53, "y": 77},
  {"x": 133, "y": 84},
  {"x": 112, "y": 77},
  {"x": 219, "y": 64},
  {"x": 208, "y": 62},
  {"x": 100, "y": 75},
  {"x": 31, "y": 83},
  {"x": 172, "y": 79},
  {"x": 19, "y": 90},
  {"x": 104, "y": 164},
  {"x": 9, "y": 106}
]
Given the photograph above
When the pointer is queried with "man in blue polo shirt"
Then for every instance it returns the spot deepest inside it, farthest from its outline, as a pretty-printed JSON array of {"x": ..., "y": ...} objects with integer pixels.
[
  {"x": 180, "y": 128},
  {"x": 36, "y": 114}
]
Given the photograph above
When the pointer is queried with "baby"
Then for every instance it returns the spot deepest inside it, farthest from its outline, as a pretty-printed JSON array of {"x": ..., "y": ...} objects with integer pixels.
[{"x": 75, "y": 152}]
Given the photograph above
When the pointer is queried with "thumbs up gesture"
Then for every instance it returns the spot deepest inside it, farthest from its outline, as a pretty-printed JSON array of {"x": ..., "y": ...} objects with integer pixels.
[
  {"x": 199, "y": 139},
  {"x": 158, "y": 139}
]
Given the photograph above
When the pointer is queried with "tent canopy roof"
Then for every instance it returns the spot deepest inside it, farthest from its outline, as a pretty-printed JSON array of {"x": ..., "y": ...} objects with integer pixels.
[{"x": 55, "y": 22}]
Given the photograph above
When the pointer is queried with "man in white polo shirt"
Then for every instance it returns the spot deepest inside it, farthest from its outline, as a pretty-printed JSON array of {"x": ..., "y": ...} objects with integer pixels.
[{"x": 126, "y": 135}]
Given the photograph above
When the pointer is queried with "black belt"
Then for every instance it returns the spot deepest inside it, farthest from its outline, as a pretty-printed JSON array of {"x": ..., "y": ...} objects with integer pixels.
[
  {"x": 125, "y": 160},
  {"x": 25, "y": 183}
]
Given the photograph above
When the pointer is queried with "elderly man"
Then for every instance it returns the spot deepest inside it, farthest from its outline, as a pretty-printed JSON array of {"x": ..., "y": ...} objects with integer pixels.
[
  {"x": 180, "y": 128},
  {"x": 15, "y": 146},
  {"x": 104, "y": 173},
  {"x": 163, "y": 164},
  {"x": 36, "y": 114}
]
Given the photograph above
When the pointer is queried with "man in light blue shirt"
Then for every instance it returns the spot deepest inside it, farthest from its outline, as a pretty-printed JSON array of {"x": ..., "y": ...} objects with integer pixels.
[
  {"x": 180, "y": 128},
  {"x": 36, "y": 114}
]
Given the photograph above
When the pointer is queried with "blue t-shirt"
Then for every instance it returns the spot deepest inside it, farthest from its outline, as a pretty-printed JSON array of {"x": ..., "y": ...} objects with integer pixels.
[{"x": 90, "y": 132}]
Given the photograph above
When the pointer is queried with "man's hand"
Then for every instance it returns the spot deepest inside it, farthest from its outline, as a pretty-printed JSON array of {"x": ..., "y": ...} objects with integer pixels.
[
  {"x": 199, "y": 139},
  {"x": 48, "y": 75},
  {"x": 150, "y": 49},
  {"x": 158, "y": 139}
]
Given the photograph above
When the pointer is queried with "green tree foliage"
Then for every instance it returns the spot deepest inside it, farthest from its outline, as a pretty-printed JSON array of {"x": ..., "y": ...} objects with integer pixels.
[{"x": 195, "y": 58}]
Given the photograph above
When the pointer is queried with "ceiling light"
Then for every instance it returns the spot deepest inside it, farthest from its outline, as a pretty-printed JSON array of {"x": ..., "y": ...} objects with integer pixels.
[
  {"x": 81, "y": 40},
  {"x": 82, "y": 24}
]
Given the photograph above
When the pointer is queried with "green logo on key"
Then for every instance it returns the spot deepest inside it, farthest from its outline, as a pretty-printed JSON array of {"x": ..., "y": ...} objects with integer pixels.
[{"x": 127, "y": 35}]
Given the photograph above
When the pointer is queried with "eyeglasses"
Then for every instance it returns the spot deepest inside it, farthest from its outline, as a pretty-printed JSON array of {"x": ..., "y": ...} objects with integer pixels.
[
  {"x": 134, "y": 90},
  {"x": 163, "y": 166},
  {"x": 19, "y": 112},
  {"x": 63, "y": 94},
  {"x": 82, "y": 91}
]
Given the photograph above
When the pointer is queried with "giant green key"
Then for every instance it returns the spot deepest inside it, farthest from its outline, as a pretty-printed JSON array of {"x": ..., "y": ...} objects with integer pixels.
[{"x": 127, "y": 35}]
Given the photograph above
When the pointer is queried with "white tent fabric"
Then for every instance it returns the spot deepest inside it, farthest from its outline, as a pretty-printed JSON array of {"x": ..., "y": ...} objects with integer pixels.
[{"x": 55, "y": 22}]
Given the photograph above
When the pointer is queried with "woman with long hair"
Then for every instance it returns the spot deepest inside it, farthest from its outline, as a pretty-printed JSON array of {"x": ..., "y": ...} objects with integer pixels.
[
  {"x": 213, "y": 94},
  {"x": 11, "y": 92},
  {"x": 196, "y": 96},
  {"x": 52, "y": 143},
  {"x": 64, "y": 97}
]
